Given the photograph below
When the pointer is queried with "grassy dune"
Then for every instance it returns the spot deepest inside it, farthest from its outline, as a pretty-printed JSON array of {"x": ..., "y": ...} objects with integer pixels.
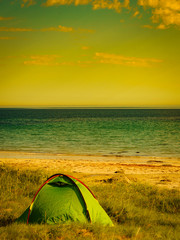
[{"x": 138, "y": 211}]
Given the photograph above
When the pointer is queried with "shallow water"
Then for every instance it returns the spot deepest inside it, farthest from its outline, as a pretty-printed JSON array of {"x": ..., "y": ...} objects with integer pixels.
[{"x": 126, "y": 132}]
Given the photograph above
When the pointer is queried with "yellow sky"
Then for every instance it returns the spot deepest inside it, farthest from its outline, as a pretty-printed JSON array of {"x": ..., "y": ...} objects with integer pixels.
[{"x": 100, "y": 53}]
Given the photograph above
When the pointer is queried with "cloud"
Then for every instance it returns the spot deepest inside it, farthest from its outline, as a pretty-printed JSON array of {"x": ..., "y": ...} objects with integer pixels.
[
  {"x": 76, "y": 63},
  {"x": 27, "y": 3},
  {"x": 42, "y": 60},
  {"x": 67, "y": 29},
  {"x": 50, "y": 3},
  {"x": 6, "y": 29},
  {"x": 5, "y": 18},
  {"x": 124, "y": 60},
  {"x": 148, "y": 26},
  {"x": 52, "y": 60},
  {"x": 136, "y": 13},
  {"x": 96, "y": 4},
  {"x": 162, "y": 26},
  {"x": 115, "y": 4},
  {"x": 165, "y": 12},
  {"x": 55, "y": 29},
  {"x": 58, "y": 29}
]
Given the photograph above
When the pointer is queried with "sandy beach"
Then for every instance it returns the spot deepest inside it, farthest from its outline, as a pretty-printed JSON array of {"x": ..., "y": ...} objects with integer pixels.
[{"x": 163, "y": 172}]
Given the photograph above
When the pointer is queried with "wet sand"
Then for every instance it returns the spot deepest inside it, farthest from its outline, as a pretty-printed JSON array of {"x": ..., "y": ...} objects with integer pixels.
[{"x": 159, "y": 171}]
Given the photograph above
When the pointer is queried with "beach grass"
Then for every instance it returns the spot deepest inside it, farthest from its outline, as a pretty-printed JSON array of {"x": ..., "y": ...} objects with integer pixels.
[{"x": 138, "y": 211}]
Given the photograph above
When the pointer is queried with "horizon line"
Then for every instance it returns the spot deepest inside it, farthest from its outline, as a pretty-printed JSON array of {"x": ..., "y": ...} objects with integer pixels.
[{"x": 88, "y": 107}]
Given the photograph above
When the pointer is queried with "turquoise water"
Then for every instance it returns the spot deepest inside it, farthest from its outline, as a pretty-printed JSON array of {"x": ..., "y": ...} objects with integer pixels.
[{"x": 126, "y": 132}]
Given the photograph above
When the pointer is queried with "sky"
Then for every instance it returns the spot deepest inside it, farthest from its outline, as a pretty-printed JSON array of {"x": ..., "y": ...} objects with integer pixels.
[{"x": 122, "y": 53}]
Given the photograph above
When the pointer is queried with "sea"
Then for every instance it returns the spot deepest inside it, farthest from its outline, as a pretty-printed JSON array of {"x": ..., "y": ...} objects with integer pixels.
[{"x": 108, "y": 131}]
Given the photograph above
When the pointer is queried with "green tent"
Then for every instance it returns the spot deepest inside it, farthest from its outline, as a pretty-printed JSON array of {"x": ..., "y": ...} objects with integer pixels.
[{"x": 64, "y": 198}]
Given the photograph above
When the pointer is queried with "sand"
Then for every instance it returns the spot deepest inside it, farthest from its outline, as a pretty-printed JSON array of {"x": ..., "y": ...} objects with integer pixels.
[{"x": 159, "y": 171}]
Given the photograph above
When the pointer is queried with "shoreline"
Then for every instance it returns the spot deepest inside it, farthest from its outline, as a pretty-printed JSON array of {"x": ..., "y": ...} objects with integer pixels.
[
  {"x": 112, "y": 157},
  {"x": 159, "y": 171}
]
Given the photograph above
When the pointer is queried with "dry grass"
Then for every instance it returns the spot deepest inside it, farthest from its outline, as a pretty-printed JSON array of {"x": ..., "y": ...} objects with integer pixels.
[{"x": 139, "y": 211}]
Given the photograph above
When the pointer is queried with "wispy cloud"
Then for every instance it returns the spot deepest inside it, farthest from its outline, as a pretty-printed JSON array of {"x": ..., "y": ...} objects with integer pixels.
[
  {"x": 58, "y": 29},
  {"x": 27, "y": 3},
  {"x": 116, "y": 5},
  {"x": 53, "y": 60},
  {"x": 164, "y": 12},
  {"x": 162, "y": 26},
  {"x": 55, "y": 29},
  {"x": 50, "y": 3},
  {"x": 96, "y": 4},
  {"x": 136, "y": 13},
  {"x": 147, "y": 26},
  {"x": 124, "y": 60},
  {"x": 42, "y": 60},
  {"x": 67, "y": 29},
  {"x": 9, "y": 29},
  {"x": 5, "y": 18}
]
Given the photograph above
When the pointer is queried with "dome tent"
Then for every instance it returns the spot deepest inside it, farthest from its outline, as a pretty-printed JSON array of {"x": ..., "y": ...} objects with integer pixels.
[{"x": 63, "y": 198}]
